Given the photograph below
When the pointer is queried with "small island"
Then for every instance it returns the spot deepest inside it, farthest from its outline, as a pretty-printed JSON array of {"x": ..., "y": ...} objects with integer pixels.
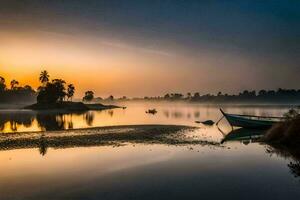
[
  {"x": 70, "y": 106},
  {"x": 53, "y": 95}
]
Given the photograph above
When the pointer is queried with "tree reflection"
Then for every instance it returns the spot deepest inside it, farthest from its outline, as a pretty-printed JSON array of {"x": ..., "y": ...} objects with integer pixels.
[
  {"x": 43, "y": 147},
  {"x": 177, "y": 114},
  {"x": 46, "y": 121},
  {"x": 166, "y": 113},
  {"x": 13, "y": 126},
  {"x": 16, "y": 119},
  {"x": 70, "y": 124},
  {"x": 1, "y": 127},
  {"x": 89, "y": 118},
  {"x": 110, "y": 113},
  {"x": 51, "y": 122},
  {"x": 196, "y": 114}
]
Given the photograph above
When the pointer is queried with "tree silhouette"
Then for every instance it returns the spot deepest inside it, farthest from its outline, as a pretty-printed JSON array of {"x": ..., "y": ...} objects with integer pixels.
[
  {"x": 110, "y": 98},
  {"x": 70, "y": 91},
  {"x": 60, "y": 88},
  {"x": 44, "y": 77},
  {"x": 13, "y": 84},
  {"x": 53, "y": 92},
  {"x": 89, "y": 96},
  {"x": 188, "y": 95},
  {"x": 167, "y": 96},
  {"x": 2, "y": 84}
]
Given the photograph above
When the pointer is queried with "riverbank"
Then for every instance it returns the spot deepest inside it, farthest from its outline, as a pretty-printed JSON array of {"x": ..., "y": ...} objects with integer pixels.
[
  {"x": 112, "y": 135},
  {"x": 285, "y": 133}
]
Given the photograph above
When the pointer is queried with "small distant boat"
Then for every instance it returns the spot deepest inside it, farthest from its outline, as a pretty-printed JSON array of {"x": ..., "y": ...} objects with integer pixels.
[
  {"x": 251, "y": 121},
  {"x": 151, "y": 111}
]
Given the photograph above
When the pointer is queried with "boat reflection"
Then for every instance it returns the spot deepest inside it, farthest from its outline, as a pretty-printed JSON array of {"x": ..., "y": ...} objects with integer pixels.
[
  {"x": 246, "y": 136},
  {"x": 243, "y": 135}
]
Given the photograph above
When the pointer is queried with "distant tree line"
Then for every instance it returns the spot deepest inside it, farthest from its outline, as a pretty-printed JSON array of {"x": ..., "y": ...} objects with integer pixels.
[
  {"x": 15, "y": 93},
  {"x": 49, "y": 92},
  {"x": 56, "y": 90},
  {"x": 262, "y": 96},
  {"x": 89, "y": 96}
]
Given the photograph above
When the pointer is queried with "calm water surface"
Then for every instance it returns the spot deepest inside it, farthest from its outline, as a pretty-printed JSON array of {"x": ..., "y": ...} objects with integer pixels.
[
  {"x": 236, "y": 170},
  {"x": 168, "y": 113}
]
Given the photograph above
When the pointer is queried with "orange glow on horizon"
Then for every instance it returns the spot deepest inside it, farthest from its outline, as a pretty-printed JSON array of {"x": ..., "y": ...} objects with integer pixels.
[
  {"x": 110, "y": 67},
  {"x": 88, "y": 63}
]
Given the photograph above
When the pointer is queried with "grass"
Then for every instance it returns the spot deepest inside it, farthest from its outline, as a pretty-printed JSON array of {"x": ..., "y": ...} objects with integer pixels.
[{"x": 287, "y": 133}]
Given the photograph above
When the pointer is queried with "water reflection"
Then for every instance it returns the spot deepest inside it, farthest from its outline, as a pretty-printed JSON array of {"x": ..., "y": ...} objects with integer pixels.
[
  {"x": 246, "y": 136},
  {"x": 196, "y": 114},
  {"x": 110, "y": 113},
  {"x": 89, "y": 118},
  {"x": 170, "y": 113},
  {"x": 243, "y": 135},
  {"x": 179, "y": 114},
  {"x": 12, "y": 121},
  {"x": 289, "y": 153},
  {"x": 43, "y": 147},
  {"x": 166, "y": 113},
  {"x": 159, "y": 168},
  {"x": 50, "y": 122},
  {"x": 295, "y": 168}
]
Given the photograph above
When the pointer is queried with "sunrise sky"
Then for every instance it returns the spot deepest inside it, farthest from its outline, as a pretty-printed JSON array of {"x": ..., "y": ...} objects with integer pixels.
[{"x": 139, "y": 47}]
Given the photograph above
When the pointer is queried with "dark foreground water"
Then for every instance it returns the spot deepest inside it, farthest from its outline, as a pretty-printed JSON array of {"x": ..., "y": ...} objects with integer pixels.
[{"x": 235, "y": 170}]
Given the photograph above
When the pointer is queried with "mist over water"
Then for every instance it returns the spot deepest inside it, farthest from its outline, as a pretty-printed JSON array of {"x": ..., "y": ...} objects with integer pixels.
[{"x": 168, "y": 113}]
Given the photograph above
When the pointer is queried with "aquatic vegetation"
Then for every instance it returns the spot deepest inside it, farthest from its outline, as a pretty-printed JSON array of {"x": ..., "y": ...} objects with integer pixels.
[
  {"x": 291, "y": 153},
  {"x": 287, "y": 132}
]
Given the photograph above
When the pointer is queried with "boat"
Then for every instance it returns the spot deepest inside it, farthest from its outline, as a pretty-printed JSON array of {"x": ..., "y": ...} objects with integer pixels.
[
  {"x": 151, "y": 111},
  {"x": 250, "y": 121}
]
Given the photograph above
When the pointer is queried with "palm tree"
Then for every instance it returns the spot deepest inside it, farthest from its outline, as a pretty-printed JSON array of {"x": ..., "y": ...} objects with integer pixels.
[
  {"x": 13, "y": 84},
  {"x": 44, "y": 77},
  {"x": 70, "y": 91}
]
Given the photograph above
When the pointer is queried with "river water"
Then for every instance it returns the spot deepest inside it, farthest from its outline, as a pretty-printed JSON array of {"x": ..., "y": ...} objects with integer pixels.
[{"x": 240, "y": 169}]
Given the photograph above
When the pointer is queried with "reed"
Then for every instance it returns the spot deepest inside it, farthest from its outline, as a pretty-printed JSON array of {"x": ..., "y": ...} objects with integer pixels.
[{"x": 287, "y": 132}]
